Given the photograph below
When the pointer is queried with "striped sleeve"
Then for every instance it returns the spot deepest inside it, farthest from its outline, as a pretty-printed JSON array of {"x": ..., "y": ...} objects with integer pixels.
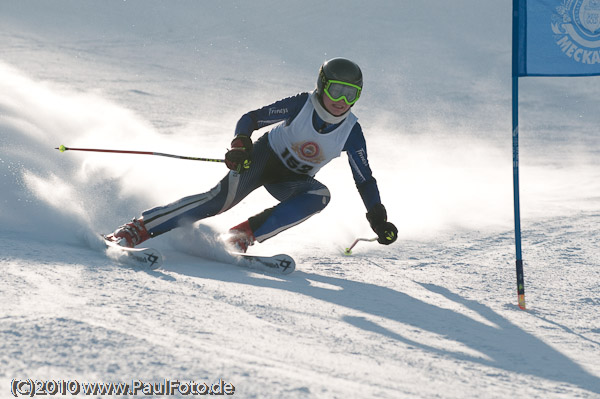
[{"x": 366, "y": 184}]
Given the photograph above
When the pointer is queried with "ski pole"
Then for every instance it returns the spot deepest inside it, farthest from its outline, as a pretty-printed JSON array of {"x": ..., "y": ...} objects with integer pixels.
[
  {"x": 348, "y": 251},
  {"x": 62, "y": 148}
]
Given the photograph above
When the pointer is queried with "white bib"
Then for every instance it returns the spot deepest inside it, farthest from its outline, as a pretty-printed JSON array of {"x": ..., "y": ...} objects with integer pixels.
[{"x": 304, "y": 150}]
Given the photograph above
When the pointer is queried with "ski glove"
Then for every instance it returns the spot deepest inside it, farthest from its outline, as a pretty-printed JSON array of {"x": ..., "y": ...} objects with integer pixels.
[
  {"x": 386, "y": 231},
  {"x": 238, "y": 158}
]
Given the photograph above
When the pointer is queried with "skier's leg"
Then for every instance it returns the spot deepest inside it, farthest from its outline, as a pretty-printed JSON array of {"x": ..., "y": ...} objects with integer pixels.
[
  {"x": 227, "y": 193},
  {"x": 300, "y": 199}
]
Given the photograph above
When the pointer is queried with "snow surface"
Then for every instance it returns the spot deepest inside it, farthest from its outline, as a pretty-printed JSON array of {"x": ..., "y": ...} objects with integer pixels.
[{"x": 433, "y": 316}]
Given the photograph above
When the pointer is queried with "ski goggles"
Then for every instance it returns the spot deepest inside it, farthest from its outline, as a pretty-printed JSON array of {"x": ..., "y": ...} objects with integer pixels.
[{"x": 337, "y": 90}]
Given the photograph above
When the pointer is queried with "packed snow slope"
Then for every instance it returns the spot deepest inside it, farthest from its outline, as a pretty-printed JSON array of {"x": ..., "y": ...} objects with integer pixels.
[{"x": 432, "y": 316}]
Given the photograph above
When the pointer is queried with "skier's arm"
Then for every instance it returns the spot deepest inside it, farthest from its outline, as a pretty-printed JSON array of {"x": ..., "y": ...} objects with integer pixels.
[
  {"x": 367, "y": 187},
  {"x": 239, "y": 156},
  {"x": 366, "y": 184},
  {"x": 281, "y": 110}
]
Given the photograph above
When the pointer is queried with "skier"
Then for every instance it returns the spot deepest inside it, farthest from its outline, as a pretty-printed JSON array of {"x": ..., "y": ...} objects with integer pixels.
[{"x": 313, "y": 129}]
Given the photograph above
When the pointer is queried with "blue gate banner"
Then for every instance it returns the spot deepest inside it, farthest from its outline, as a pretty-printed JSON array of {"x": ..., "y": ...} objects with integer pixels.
[{"x": 557, "y": 38}]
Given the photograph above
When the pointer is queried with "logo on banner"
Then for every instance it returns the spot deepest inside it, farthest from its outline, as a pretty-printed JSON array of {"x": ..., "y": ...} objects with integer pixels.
[{"x": 576, "y": 26}]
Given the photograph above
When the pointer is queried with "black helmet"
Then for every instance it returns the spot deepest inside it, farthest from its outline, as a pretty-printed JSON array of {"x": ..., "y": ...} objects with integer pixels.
[{"x": 341, "y": 69}]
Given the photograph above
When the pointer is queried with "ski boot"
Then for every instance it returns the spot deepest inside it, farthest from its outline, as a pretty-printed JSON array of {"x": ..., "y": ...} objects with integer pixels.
[
  {"x": 241, "y": 237},
  {"x": 130, "y": 234}
]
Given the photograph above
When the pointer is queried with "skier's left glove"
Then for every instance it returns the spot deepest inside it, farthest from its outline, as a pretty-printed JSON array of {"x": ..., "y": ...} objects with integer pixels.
[
  {"x": 386, "y": 232},
  {"x": 239, "y": 157}
]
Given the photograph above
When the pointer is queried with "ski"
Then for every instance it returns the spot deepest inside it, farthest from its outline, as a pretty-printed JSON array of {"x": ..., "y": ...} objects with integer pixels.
[
  {"x": 151, "y": 259},
  {"x": 281, "y": 264},
  {"x": 143, "y": 258}
]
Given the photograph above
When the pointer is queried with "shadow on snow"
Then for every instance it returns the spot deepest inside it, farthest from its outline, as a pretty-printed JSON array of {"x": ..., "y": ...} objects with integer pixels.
[{"x": 506, "y": 345}]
